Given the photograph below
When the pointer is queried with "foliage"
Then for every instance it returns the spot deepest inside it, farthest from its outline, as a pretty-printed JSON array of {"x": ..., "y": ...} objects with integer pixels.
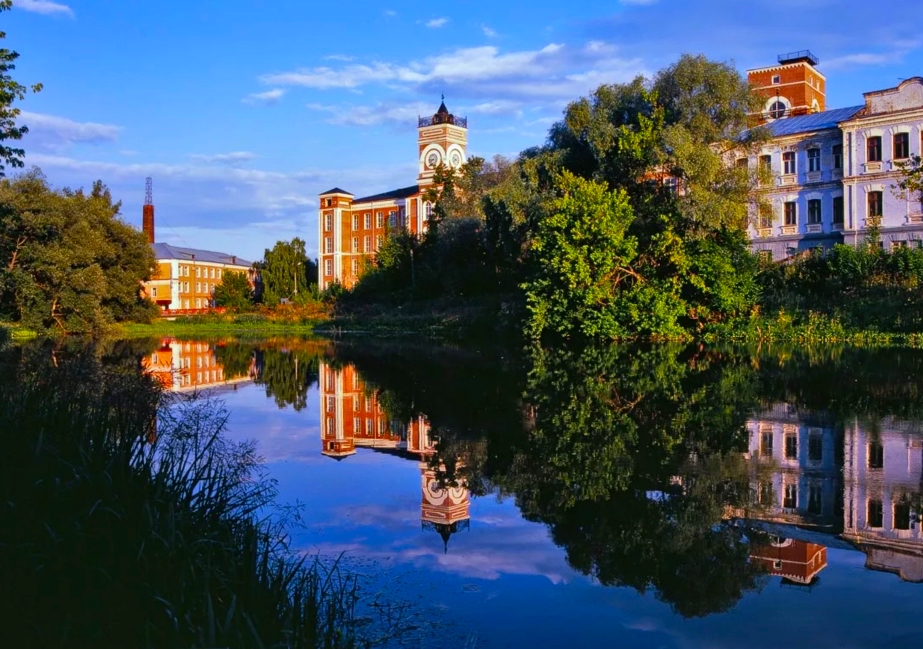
[
  {"x": 68, "y": 263},
  {"x": 911, "y": 182},
  {"x": 287, "y": 272},
  {"x": 10, "y": 92},
  {"x": 234, "y": 291},
  {"x": 585, "y": 282},
  {"x": 129, "y": 520}
]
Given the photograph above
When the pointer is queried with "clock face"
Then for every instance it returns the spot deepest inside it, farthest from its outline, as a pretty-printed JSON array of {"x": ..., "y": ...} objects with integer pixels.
[
  {"x": 432, "y": 159},
  {"x": 456, "y": 159}
]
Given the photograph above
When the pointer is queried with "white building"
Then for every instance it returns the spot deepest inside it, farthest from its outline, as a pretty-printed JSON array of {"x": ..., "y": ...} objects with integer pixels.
[{"x": 834, "y": 174}]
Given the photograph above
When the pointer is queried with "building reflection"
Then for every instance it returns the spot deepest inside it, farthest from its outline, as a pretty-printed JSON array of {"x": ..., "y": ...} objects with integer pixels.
[
  {"x": 185, "y": 366},
  {"x": 855, "y": 483},
  {"x": 352, "y": 417}
]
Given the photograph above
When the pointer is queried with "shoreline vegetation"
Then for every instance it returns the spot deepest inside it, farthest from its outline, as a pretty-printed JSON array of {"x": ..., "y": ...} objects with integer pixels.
[{"x": 115, "y": 488}]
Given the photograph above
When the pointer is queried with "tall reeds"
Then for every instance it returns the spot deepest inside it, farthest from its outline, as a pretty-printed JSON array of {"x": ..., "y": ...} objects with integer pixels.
[{"x": 128, "y": 520}]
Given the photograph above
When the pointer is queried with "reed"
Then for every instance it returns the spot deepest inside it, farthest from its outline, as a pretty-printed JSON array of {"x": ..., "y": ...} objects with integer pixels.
[{"x": 128, "y": 519}]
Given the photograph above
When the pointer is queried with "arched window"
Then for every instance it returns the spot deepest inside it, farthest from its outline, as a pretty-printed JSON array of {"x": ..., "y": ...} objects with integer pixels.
[{"x": 777, "y": 109}]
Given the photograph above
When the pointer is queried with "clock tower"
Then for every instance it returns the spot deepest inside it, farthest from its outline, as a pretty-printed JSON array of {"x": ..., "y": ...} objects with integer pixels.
[{"x": 442, "y": 139}]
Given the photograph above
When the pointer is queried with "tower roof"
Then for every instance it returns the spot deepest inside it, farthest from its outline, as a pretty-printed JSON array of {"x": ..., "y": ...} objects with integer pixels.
[{"x": 442, "y": 109}]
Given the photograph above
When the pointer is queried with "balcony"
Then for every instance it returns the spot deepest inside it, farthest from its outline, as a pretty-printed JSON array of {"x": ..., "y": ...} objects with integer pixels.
[{"x": 442, "y": 118}]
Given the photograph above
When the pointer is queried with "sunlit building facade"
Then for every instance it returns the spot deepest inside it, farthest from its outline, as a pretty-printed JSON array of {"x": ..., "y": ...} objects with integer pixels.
[
  {"x": 832, "y": 174},
  {"x": 351, "y": 230}
]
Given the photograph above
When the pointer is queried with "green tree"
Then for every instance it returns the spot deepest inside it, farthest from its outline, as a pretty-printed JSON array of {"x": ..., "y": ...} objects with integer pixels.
[
  {"x": 234, "y": 291},
  {"x": 585, "y": 280},
  {"x": 67, "y": 261},
  {"x": 911, "y": 182},
  {"x": 287, "y": 272},
  {"x": 10, "y": 92}
]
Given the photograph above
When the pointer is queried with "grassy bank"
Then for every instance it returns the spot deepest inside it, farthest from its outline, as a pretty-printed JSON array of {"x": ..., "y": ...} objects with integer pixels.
[{"x": 129, "y": 520}]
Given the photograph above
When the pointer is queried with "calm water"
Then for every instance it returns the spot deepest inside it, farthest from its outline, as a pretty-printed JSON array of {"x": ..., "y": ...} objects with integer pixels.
[{"x": 624, "y": 496}]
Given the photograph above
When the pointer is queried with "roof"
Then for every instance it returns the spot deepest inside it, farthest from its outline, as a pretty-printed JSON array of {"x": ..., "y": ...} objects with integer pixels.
[
  {"x": 442, "y": 109},
  {"x": 335, "y": 190},
  {"x": 394, "y": 194},
  {"x": 813, "y": 122},
  {"x": 166, "y": 251}
]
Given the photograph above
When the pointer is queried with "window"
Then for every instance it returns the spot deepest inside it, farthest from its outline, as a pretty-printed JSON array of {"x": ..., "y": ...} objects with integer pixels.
[
  {"x": 378, "y": 241},
  {"x": 902, "y": 516},
  {"x": 219, "y": 273},
  {"x": 764, "y": 493},
  {"x": 331, "y": 404},
  {"x": 328, "y": 244},
  {"x": 368, "y": 220},
  {"x": 874, "y": 514},
  {"x": 355, "y": 267},
  {"x": 838, "y": 209},
  {"x": 367, "y": 244},
  {"x": 765, "y": 212},
  {"x": 328, "y": 222},
  {"x": 741, "y": 163},
  {"x": 776, "y": 79},
  {"x": 355, "y": 221},
  {"x": 328, "y": 267},
  {"x": 777, "y": 110},
  {"x": 355, "y": 247},
  {"x": 815, "y": 448},
  {"x": 791, "y": 446},
  {"x": 198, "y": 303},
  {"x": 328, "y": 202},
  {"x": 837, "y": 156},
  {"x": 876, "y": 455},
  {"x": 198, "y": 287},
  {"x": 873, "y": 149},
  {"x": 788, "y": 162},
  {"x": 814, "y": 211},
  {"x": 379, "y": 220},
  {"x": 153, "y": 291},
  {"x": 766, "y": 443},
  {"x": 815, "y": 501},
  {"x": 766, "y": 163},
  {"x": 368, "y": 427},
  {"x": 357, "y": 425},
  {"x": 791, "y": 213},
  {"x": 185, "y": 287},
  {"x": 198, "y": 272},
  {"x": 790, "y": 499},
  {"x": 901, "y": 146},
  {"x": 211, "y": 273},
  {"x": 813, "y": 160},
  {"x": 429, "y": 211},
  {"x": 392, "y": 219},
  {"x": 874, "y": 204}
]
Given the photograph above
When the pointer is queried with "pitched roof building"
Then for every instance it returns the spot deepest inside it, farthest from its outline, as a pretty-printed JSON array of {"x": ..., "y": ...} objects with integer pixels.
[
  {"x": 834, "y": 173},
  {"x": 350, "y": 230}
]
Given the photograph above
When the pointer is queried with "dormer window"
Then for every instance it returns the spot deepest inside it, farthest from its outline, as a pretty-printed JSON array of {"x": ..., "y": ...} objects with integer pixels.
[{"x": 776, "y": 79}]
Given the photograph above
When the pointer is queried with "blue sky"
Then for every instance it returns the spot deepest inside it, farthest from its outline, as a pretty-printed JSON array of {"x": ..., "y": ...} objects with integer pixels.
[{"x": 244, "y": 110}]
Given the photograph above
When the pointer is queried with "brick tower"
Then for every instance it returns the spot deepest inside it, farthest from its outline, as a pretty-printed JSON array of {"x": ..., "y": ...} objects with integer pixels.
[{"x": 792, "y": 87}]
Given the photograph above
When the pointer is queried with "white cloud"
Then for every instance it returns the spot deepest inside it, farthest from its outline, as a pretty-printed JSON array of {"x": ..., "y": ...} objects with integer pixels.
[
  {"x": 436, "y": 23},
  {"x": 53, "y": 133},
  {"x": 373, "y": 115},
  {"x": 234, "y": 157},
  {"x": 45, "y": 7},
  {"x": 207, "y": 204},
  {"x": 339, "y": 57},
  {"x": 485, "y": 71},
  {"x": 390, "y": 13},
  {"x": 637, "y": 2},
  {"x": 488, "y": 32},
  {"x": 269, "y": 97},
  {"x": 901, "y": 48}
]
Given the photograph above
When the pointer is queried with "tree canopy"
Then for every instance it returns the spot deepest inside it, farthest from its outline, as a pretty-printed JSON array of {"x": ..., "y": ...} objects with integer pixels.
[
  {"x": 68, "y": 263},
  {"x": 10, "y": 92},
  {"x": 286, "y": 271}
]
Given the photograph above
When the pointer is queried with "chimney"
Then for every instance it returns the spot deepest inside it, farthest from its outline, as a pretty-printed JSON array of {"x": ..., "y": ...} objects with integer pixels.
[{"x": 147, "y": 219}]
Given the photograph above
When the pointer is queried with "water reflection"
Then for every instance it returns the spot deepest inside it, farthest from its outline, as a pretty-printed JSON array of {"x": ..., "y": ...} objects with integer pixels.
[
  {"x": 352, "y": 416},
  {"x": 186, "y": 366}
]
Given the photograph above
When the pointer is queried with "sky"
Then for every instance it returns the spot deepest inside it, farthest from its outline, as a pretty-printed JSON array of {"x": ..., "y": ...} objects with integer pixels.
[{"x": 243, "y": 111}]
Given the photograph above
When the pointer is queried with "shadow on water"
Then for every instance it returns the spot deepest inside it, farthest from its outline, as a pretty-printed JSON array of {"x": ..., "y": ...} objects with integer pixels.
[{"x": 693, "y": 473}]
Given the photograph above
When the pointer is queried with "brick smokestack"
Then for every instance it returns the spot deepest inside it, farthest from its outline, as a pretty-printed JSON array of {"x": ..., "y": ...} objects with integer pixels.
[{"x": 147, "y": 220}]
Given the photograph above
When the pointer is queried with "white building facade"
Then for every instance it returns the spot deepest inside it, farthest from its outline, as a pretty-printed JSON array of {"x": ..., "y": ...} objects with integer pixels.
[{"x": 834, "y": 176}]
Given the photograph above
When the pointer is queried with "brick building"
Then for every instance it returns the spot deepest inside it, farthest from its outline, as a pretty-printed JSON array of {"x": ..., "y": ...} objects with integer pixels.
[{"x": 350, "y": 230}]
